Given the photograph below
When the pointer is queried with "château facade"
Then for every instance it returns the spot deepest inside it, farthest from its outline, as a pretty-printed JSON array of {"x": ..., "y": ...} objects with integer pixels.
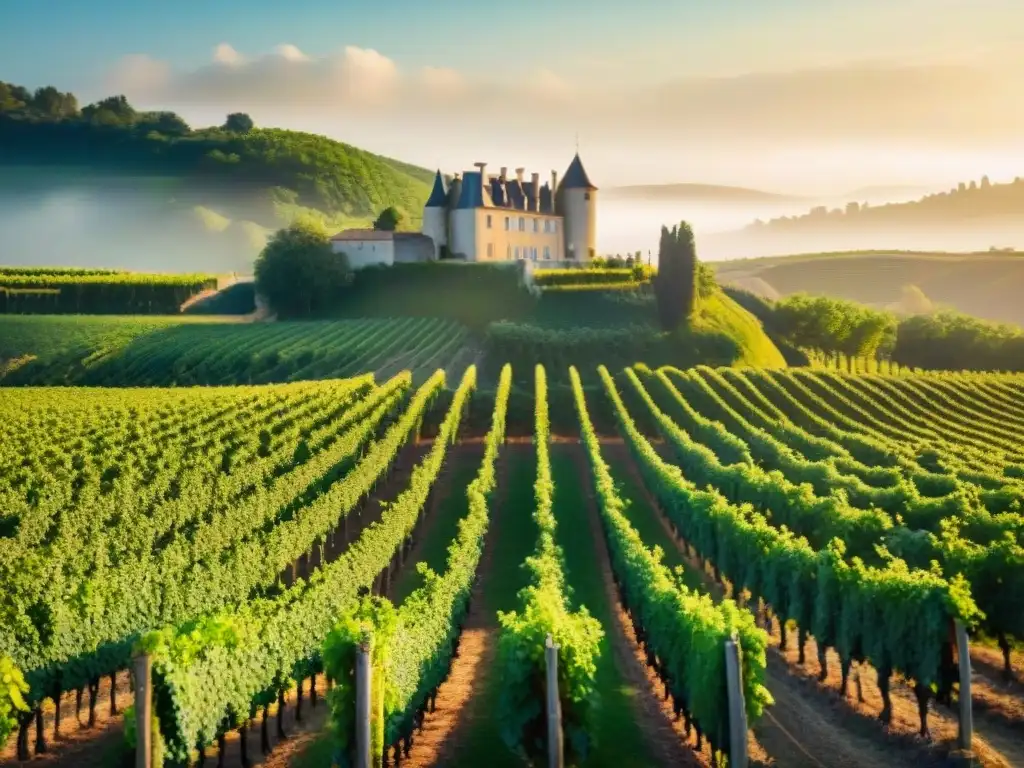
[{"x": 485, "y": 217}]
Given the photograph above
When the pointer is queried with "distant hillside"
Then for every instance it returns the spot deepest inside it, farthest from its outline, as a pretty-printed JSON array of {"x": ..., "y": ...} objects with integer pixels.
[
  {"x": 696, "y": 192},
  {"x": 967, "y": 203},
  {"x": 986, "y": 285},
  {"x": 162, "y": 190},
  {"x": 48, "y": 128}
]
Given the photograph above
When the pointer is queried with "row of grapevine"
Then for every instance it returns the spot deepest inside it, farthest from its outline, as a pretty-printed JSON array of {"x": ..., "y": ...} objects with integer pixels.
[
  {"x": 413, "y": 645},
  {"x": 922, "y": 505},
  {"x": 191, "y": 555},
  {"x": 545, "y": 610},
  {"x": 867, "y": 444},
  {"x": 926, "y": 423},
  {"x": 959, "y": 531},
  {"x": 126, "y": 293},
  {"x": 152, "y": 352},
  {"x": 685, "y": 632},
  {"x": 213, "y": 675},
  {"x": 897, "y": 618}
]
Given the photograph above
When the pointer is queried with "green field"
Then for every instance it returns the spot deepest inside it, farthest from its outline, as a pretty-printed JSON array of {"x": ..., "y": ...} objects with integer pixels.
[{"x": 231, "y": 527}]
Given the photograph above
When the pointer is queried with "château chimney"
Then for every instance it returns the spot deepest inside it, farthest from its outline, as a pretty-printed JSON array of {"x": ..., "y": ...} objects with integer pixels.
[
  {"x": 504, "y": 173},
  {"x": 519, "y": 174},
  {"x": 535, "y": 184}
]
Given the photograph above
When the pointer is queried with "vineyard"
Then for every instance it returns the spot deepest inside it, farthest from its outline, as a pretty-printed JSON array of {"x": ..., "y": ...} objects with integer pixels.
[
  {"x": 185, "y": 351},
  {"x": 255, "y": 544},
  {"x": 56, "y": 290}
]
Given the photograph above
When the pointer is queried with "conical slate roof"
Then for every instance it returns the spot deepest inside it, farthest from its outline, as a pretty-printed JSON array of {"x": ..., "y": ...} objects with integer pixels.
[
  {"x": 439, "y": 195},
  {"x": 576, "y": 177}
]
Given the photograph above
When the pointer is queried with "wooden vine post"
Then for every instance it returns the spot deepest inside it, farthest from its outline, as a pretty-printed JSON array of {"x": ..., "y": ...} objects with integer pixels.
[
  {"x": 143, "y": 670},
  {"x": 963, "y": 653},
  {"x": 556, "y": 750},
  {"x": 737, "y": 706},
  {"x": 363, "y": 699}
]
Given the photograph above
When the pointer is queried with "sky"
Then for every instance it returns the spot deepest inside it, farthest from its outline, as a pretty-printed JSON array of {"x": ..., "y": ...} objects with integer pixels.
[{"x": 797, "y": 96}]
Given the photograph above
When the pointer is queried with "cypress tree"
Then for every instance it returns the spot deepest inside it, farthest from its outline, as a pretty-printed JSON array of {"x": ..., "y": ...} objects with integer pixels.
[{"x": 675, "y": 285}]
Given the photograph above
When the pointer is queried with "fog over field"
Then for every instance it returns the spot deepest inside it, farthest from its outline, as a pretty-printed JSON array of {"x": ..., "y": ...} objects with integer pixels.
[{"x": 125, "y": 228}]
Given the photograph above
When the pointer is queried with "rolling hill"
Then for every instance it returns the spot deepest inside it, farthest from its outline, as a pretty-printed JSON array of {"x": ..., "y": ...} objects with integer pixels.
[
  {"x": 162, "y": 189},
  {"x": 985, "y": 284}
]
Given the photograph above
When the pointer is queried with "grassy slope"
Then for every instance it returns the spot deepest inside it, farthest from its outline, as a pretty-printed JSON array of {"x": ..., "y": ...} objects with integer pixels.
[
  {"x": 721, "y": 314},
  {"x": 984, "y": 284}
]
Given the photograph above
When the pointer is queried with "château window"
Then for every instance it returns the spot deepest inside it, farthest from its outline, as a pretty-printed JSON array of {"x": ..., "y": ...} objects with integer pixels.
[
  {"x": 488, "y": 221},
  {"x": 591, "y": 253},
  {"x": 554, "y": 226},
  {"x": 507, "y": 224},
  {"x": 517, "y": 251},
  {"x": 490, "y": 248},
  {"x": 586, "y": 195},
  {"x": 536, "y": 225},
  {"x": 547, "y": 252},
  {"x": 522, "y": 224}
]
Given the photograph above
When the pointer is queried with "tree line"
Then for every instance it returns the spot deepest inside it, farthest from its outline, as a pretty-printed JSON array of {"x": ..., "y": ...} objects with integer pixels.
[
  {"x": 845, "y": 330},
  {"x": 48, "y": 127}
]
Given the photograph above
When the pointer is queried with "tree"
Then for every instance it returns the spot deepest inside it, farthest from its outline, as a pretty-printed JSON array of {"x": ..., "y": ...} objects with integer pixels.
[
  {"x": 113, "y": 110},
  {"x": 675, "y": 284},
  {"x": 239, "y": 122},
  {"x": 50, "y": 102},
  {"x": 167, "y": 123},
  {"x": 12, "y": 97},
  {"x": 389, "y": 220},
  {"x": 298, "y": 272}
]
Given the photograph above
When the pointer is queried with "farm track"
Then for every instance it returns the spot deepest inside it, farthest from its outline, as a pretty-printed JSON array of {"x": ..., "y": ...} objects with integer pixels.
[
  {"x": 652, "y": 711},
  {"x": 808, "y": 725},
  {"x": 458, "y": 704}
]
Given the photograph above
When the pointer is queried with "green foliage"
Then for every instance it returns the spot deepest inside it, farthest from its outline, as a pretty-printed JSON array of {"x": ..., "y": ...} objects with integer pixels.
[
  {"x": 389, "y": 220},
  {"x": 686, "y": 631},
  {"x": 281, "y": 635},
  {"x": 369, "y": 625},
  {"x": 472, "y": 294},
  {"x": 238, "y": 122},
  {"x": 833, "y": 326},
  {"x": 299, "y": 273},
  {"x": 13, "y": 689},
  {"x": 430, "y": 619},
  {"x": 951, "y": 341},
  {"x": 547, "y": 278},
  {"x": 194, "y": 350},
  {"x": 675, "y": 285},
  {"x": 95, "y": 292},
  {"x": 169, "y": 554},
  {"x": 896, "y": 617},
  {"x": 545, "y": 612}
]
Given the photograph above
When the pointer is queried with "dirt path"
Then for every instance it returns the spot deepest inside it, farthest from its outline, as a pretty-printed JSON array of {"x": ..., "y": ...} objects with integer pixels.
[
  {"x": 77, "y": 744},
  {"x": 437, "y": 742},
  {"x": 807, "y": 726},
  {"x": 651, "y": 711}
]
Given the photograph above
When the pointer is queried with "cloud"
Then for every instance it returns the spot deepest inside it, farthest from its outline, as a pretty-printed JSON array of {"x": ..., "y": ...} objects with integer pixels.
[
  {"x": 225, "y": 54},
  {"x": 966, "y": 103}
]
